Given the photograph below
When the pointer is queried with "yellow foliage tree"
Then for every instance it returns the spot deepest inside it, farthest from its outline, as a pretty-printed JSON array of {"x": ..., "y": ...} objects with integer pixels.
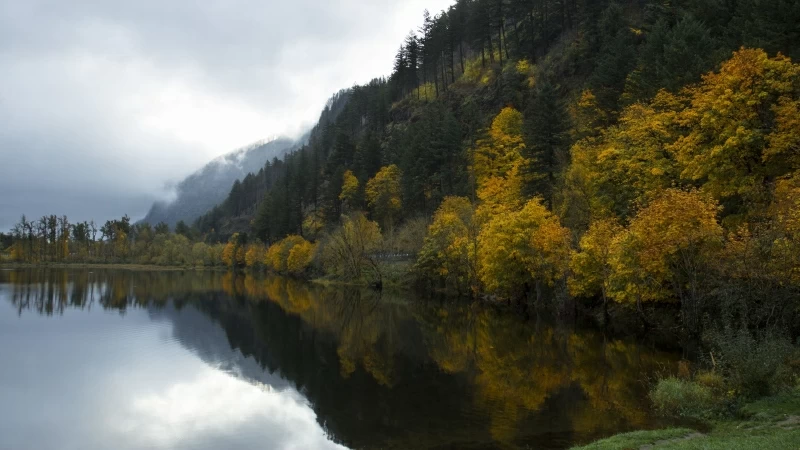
[
  {"x": 278, "y": 255},
  {"x": 273, "y": 257},
  {"x": 587, "y": 116},
  {"x": 254, "y": 256},
  {"x": 121, "y": 244},
  {"x": 501, "y": 150},
  {"x": 233, "y": 255},
  {"x": 732, "y": 134},
  {"x": 349, "y": 188},
  {"x": 300, "y": 257},
  {"x": 628, "y": 163},
  {"x": 450, "y": 247},
  {"x": 313, "y": 223},
  {"x": 591, "y": 267},
  {"x": 742, "y": 125},
  {"x": 228, "y": 254},
  {"x": 17, "y": 251},
  {"x": 523, "y": 248},
  {"x": 662, "y": 254},
  {"x": 383, "y": 193},
  {"x": 500, "y": 194},
  {"x": 785, "y": 215}
]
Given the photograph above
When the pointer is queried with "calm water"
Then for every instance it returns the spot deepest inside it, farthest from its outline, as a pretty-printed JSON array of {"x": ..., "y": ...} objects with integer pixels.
[{"x": 171, "y": 360}]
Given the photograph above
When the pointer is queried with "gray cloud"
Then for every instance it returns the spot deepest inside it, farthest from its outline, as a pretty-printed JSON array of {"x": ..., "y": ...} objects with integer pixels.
[{"x": 103, "y": 102}]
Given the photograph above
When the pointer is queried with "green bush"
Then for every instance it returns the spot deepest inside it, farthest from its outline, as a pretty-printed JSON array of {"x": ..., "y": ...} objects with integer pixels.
[
  {"x": 676, "y": 397},
  {"x": 713, "y": 381}
]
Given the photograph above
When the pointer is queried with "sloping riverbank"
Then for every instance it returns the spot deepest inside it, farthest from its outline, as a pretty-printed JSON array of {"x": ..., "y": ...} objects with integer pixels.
[{"x": 772, "y": 423}]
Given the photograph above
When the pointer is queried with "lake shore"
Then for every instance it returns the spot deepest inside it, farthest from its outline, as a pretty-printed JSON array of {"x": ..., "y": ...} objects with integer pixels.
[
  {"x": 771, "y": 423},
  {"x": 120, "y": 266}
]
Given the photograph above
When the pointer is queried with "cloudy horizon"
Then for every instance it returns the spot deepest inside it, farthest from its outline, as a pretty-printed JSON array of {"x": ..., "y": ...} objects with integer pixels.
[{"x": 107, "y": 103}]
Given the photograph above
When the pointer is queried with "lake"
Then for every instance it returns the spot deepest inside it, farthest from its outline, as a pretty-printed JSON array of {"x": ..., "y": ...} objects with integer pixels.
[{"x": 101, "y": 359}]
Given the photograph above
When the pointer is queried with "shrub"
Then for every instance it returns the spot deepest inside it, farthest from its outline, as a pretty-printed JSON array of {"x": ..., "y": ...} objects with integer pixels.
[
  {"x": 348, "y": 252},
  {"x": 300, "y": 257},
  {"x": 675, "y": 397},
  {"x": 711, "y": 380},
  {"x": 278, "y": 256},
  {"x": 753, "y": 365}
]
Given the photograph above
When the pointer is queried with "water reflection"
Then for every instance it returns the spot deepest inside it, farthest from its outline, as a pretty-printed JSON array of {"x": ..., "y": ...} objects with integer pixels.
[{"x": 363, "y": 371}]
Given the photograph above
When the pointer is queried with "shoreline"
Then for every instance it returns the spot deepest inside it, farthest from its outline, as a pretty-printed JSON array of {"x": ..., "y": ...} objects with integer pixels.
[
  {"x": 768, "y": 423},
  {"x": 323, "y": 281},
  {"x": 117, "y": 266}
]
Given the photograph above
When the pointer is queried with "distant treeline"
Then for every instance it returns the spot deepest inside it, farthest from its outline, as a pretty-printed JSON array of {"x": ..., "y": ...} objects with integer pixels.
[{"x": 53, "y": 239}]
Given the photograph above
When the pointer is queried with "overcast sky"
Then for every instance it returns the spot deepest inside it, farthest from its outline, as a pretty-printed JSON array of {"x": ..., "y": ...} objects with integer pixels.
[{"x": 104, "y": 102}]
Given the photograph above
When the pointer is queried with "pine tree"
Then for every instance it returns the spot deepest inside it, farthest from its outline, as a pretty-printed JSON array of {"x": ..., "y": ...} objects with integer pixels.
[{"x": 546, "y": 130}]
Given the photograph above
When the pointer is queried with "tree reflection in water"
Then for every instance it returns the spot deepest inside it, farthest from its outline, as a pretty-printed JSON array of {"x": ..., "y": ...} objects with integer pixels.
[{"x": 389, "y": 371}]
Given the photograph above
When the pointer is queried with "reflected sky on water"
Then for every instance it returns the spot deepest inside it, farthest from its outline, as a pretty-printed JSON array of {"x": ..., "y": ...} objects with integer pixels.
[{"x": 129, "y": 360}]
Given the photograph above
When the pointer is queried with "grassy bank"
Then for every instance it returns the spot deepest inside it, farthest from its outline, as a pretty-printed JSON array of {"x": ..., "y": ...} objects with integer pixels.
[{"x": 766, "y": 424}]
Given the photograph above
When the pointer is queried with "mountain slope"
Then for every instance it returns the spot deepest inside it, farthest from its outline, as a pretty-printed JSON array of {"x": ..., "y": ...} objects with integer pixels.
[
  {"x": 559, "y": 72},
  {"x": 202, "y": 190}
]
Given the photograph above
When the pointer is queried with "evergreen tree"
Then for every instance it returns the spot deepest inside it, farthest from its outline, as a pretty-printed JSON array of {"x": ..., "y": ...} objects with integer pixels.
[
  {"x": 672, "y": 58},
  {"x": 546, "y": 131}
]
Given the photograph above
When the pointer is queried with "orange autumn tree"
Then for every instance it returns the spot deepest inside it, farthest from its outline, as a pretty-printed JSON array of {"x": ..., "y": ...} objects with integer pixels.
[
  {"x": 628, "y": 163},
  {"x": 233, "y": 255},
  {"x": 742, "y": 126},
  {"x": 254, "y": 256},
  {"x": 664, "y": 253},
  {"x": 278, "y": 255},
  {"x": 733, "y": 134}
]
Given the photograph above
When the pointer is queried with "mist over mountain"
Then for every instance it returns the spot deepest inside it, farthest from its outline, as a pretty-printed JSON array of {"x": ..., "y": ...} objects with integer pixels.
[{"x": 210, "y": 185}]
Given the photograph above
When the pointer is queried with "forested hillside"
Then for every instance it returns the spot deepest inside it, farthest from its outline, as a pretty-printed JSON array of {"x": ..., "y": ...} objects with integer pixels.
[
  {"x": 570, "y": 72},
  {"x": 196, "y": 194}
]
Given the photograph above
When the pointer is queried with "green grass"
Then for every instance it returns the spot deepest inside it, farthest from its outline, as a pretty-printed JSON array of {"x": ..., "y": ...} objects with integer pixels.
[
  {"x": 772, "y": 423},
  {"x": 774, "y": 408},
  {"x": 761, "y": 439},
  {"x": 636, "y": 439}
]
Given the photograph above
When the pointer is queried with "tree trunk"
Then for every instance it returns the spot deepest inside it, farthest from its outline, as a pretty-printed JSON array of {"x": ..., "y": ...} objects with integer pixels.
[
  {"x": 532, "y": 36},
  {"x": 444, "y": 75},
  {"x": 500, "y": 36},
  {"x": 461, "y": 55},
  {"x": 435, "y": 80},
  {"x": 452, "y": 65},
  {"x": 545, "y": 38}
]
